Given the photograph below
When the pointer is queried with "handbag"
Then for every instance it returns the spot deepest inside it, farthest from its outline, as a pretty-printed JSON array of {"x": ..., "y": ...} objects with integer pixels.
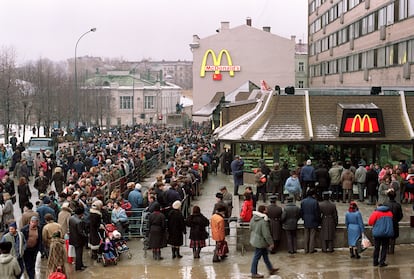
[
  {"x": 58, "y": 274},
  {"x": 222, "y": 248}
]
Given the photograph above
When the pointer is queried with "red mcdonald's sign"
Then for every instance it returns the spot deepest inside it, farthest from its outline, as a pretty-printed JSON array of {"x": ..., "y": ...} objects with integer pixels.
[{"x": 358, "y": 124}]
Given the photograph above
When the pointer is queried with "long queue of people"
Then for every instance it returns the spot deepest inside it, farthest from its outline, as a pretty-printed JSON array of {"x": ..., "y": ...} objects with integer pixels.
[
  {"x": 72, "y": 186},
  {"x": 369, "y": 182}
]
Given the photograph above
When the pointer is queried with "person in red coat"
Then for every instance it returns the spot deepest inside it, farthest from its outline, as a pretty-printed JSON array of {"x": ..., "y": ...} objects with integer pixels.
[{"x": 247, "y": 208}]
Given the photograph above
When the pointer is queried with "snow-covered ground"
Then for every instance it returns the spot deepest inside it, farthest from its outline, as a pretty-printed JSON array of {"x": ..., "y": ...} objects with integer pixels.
[{"x": 19, "y": 133}]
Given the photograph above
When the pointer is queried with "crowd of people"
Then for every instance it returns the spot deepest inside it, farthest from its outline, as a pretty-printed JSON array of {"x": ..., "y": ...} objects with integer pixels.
[{"x": 81, "y": 189}]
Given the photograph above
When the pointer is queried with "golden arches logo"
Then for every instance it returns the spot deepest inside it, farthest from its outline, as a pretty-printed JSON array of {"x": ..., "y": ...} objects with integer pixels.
[
  {"x": 362, "y": 123},
  {"x": 217, "y": 67}
]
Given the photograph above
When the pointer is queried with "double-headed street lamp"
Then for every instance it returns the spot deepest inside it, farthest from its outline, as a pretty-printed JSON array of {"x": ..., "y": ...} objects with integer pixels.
[{"x": 76, "y": 77}]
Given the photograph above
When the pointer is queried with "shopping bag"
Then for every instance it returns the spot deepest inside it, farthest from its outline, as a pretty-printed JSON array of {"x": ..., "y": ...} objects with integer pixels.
[
  {"x": 365, "y": 242},
  {"x": 58, "y": 274},
  {"x": 222, "y": 248}
]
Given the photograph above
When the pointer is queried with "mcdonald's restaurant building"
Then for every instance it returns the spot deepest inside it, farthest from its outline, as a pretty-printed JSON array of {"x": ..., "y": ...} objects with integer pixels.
[
  {"x": 327, "y": 126},
  {"x": 232, "y": 56}
]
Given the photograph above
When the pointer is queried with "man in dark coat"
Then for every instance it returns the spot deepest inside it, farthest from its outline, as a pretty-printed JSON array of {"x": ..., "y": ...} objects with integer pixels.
[
  {"x": 77, "y": 236},
  {"x": 311, "y": 215},
  {"x": 290, "y": 217},
  {"x": 329, "y": 221},
  {"x": 156, "y": 232},
  {"x": 237, "y": 166},
  {"x": 397, "y": 215},
  {"x": 322, "y": 180},
  {"x": 41, "y": 183},
  {"x": 33, "y": 238},
  {"x": 274, "y": 212}
]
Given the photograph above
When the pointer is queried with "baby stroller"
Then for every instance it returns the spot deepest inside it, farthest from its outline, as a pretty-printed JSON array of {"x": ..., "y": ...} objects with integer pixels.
[
  {"x": 120, "y": 244},
  {"x": 107, "y": 252}
]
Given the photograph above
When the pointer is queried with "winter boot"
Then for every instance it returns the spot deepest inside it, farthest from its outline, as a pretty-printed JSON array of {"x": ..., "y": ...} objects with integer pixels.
[
  {"x": 195, "y": 253},
  {"x": 154, "y": 254},
  {"x": 173, "y": 249},
  {"x": 356, "y": 254},
  {"x": 177, "y": 251},
  {"x": 351, "y": 251},
  {"x": 198, "y": 252},
  {"x": 391, "y": 246},
  {"x": 94, "y": 254},
  {"x": 159, "y": 255},
  {"x": 216, "y": 258}
]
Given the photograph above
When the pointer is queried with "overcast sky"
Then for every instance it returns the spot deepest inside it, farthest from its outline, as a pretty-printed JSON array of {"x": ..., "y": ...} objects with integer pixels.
[{"x": 135, "y": 29}]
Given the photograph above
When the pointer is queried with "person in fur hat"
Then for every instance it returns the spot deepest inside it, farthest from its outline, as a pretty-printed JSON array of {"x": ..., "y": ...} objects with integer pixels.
[{"x": 95, "y": 226}]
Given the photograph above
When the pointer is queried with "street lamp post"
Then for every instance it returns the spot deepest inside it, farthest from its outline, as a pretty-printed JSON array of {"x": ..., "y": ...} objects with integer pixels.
[
  {"x": 133, "y": 94},
  {"x": 76, "y": 77}
]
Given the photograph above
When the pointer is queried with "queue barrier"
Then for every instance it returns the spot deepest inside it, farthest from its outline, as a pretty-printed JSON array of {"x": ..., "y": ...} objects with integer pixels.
[{"x": 137, "y": 222}]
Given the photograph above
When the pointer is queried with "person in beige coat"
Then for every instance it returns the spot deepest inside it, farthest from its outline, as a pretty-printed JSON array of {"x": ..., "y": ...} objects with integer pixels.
[
  {"x": 347, "y": 179},
  {"x": 63, "y": 217},
  {"x": 49, "y": 229}
]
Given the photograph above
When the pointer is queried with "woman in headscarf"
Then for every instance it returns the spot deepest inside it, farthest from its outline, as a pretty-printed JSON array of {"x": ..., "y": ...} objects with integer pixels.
[
  {"x": 355, "y": 228},
  {"x": 176, "y": 229},
  {"x": 198, "y": 234}
]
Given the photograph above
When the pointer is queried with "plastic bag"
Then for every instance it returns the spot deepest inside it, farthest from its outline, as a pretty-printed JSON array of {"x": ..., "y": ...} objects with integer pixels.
[{"x": 365, "y": 242}]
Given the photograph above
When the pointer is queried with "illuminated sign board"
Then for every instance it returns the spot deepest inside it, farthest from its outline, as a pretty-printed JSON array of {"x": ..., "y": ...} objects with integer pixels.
[
  {"x": 217, "y": 68},
  {"x": 362, "y": 123}
]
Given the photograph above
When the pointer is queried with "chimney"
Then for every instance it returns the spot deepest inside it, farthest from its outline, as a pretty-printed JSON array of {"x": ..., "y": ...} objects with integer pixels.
[
  {"x": 248, "y": 21},
  {"x": 293, "y": 38},
  {"x": 196, "y": 39},
  {"x": 225, "y": 25},
  {"x": 266, "y": 28}
]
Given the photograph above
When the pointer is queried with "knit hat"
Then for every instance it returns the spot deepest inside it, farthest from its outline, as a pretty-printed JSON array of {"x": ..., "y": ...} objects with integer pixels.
[
  {"x": 176, "y": 205},
  {"x": 46, "y": 200},
  {"x": 13, "y": 224},
  {"x": 138, "y": 186}
]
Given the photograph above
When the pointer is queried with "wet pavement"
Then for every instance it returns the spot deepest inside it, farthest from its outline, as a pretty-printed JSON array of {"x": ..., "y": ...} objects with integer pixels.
[{"x": 319, "y": 265}]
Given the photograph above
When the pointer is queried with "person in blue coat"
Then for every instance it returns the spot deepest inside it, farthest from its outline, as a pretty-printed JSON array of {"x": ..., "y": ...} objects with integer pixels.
[
  {"x": 355, "y": 227},
  {"x": 237, "y": 166},
  {"x": 135, "y": 197}
]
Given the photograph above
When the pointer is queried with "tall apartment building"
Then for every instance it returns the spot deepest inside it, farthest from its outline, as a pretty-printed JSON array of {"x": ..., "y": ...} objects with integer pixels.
[{"x": 361, "y": 43}]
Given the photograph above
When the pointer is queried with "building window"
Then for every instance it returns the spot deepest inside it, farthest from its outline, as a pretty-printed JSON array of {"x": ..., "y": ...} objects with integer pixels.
[
  {"x": 382, "y": 17},
  {"x": 401, "y": 6},
  {"x": 381, "y": 57},
  {"x": 301, "y": 67},
  {"x": 392, "y": 53},
  {"x": 371, "y": 23},
  {"x": 390, "y": 14},
  {"x": 410, "y": 7},
  {"x": 125, "y": 102},
  {"x": 300, "y": 84},
  {"x": 402, "y": 53},
  {"x": 149, "y": 102},
  {"x": 411, "y": 51}
]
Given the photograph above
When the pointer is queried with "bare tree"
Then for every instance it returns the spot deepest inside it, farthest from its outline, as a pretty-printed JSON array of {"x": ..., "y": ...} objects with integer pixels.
[{"x": 8, "y": 88}]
